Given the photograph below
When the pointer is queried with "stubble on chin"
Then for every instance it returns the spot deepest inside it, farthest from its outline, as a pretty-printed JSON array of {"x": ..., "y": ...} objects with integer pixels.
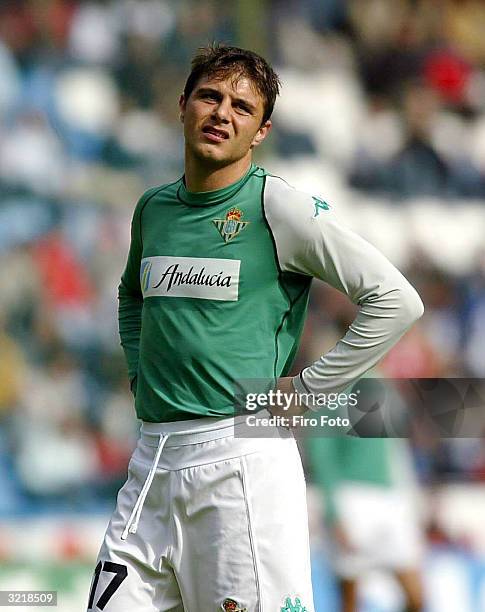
[{"x": 206, "y": 156}]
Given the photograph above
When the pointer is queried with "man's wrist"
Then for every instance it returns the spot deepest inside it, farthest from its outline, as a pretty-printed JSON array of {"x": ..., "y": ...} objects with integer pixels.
[
  {"x": 287, "y": 404},
  {"x": 305, "y": 396}
]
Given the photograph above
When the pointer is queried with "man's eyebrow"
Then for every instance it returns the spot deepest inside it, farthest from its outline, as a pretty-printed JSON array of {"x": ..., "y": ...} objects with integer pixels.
[
  {"x": 211, "y": 90},
  {"x": 250, "y": 106},
  {"x": 204, "y": 90}
]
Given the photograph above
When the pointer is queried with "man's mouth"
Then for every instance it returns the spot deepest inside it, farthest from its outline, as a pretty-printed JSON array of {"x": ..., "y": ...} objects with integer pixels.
[{"x": 215, "y": 134}]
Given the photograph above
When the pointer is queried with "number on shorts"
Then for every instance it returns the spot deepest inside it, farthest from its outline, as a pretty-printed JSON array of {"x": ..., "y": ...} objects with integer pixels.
[{"x": 120, "y": 572}]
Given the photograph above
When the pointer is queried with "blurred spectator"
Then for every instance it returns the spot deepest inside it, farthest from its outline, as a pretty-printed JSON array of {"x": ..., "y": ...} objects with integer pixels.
[
  {"x": 138, "y": 73},
  {"x": 12, "y": 373},
  {"x": 92, "y": 37},
  {"x": 57, "y": 463},
  {"x": 474, "y": 314},
  {"x": 10, "y": 91},
  {"x": 67, "y": 290},
  {"x": 415, "y": 167},
  {"x": 31, "y": 156}
]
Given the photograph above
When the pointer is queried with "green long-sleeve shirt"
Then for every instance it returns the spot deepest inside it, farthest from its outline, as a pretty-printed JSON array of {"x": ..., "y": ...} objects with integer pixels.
[{"x": 215, "y": 290}]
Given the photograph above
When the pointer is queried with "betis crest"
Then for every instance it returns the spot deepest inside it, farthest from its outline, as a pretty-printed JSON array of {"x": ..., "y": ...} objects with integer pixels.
[
  {"x": 231, "y": 605},
  {"x": 230, "y": 226}
]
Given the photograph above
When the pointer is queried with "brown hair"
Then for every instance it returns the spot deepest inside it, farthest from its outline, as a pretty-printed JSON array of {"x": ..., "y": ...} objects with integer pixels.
[{"x": 219, "y": 60}]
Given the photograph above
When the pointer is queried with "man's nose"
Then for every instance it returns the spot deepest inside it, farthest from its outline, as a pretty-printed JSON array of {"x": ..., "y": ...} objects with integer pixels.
[{"x": 222, "y": 111}]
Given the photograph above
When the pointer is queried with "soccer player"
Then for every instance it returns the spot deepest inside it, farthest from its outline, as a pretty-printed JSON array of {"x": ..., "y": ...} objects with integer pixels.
[
  {"x": 215, "y": 291},
  {"x": 371, "y": 513}
]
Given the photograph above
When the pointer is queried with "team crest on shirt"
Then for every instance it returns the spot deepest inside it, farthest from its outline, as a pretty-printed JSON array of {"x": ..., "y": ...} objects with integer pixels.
[
  {"x": 232, "y": 225},
  {"x": 289, "y": 606},
  {"x": 231, "y": 605}
]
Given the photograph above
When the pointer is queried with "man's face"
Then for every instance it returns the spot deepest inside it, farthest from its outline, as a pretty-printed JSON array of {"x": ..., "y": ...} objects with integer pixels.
[{"x": 222, "y": 120}]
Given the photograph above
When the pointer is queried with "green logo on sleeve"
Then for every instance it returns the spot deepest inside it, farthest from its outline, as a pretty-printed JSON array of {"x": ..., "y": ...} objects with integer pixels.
[
  {"x": 296, "y": 607},
  {"x": 319, "y": 205}
]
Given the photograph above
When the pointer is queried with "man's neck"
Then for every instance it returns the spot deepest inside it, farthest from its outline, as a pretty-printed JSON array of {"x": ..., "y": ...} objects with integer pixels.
[{"x": 201, "y": 178}]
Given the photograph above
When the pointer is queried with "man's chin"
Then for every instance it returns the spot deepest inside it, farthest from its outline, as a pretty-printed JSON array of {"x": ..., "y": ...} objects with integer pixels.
[{"x": 213, "y": 158}]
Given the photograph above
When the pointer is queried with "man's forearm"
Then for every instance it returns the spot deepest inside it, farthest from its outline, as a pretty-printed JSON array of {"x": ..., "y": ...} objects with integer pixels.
[
  {"x": 129, "y": 322},
  {"x": 379, "y": 324}
]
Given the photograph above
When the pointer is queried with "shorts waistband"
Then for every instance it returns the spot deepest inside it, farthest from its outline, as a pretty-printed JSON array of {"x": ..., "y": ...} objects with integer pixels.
[
  {"x": 181, "y": 433},
  {"x": 193, "y": 431}
]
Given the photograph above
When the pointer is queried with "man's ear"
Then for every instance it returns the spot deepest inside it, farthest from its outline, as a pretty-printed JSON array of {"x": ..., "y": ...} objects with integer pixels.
[
  {"x": 261, "y": 133},
  {"x": 181, "y": 107}
]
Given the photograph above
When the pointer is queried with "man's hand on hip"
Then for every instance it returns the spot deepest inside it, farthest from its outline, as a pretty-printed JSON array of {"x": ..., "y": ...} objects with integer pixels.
[{"x": 295, "y": 408}]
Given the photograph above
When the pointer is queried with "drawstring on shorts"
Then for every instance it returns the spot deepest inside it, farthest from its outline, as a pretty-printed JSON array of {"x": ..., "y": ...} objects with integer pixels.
[{"x": 132, "y": 524}]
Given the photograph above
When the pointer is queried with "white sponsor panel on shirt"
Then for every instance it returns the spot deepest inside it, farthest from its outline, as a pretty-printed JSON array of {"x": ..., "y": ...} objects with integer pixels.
[{"x": 193, "y": 277}]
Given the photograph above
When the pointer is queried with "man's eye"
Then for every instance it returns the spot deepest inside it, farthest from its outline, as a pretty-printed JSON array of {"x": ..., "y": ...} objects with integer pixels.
[{"x": 242, "y": 107}]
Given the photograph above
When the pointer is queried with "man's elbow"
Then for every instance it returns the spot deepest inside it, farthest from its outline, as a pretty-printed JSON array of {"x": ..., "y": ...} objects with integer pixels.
[{"x": 412, "y": 307}]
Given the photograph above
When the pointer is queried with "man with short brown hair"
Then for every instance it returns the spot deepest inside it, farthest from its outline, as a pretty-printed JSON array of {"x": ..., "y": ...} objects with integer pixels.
[{"x": 215, "y": 291}]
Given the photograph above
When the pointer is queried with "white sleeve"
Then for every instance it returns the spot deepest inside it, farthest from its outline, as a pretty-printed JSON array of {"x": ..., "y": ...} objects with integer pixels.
[{"x": 310, "y": 240}]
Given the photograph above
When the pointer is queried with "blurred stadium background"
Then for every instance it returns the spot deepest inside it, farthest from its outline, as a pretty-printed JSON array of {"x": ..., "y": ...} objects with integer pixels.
[{"x": 382, "y": 113}]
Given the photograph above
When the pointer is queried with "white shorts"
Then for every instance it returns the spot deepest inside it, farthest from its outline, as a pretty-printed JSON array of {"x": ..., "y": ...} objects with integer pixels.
[
  {"x": 382, "y": 527},
  {"x": 205, "y": 522}
]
